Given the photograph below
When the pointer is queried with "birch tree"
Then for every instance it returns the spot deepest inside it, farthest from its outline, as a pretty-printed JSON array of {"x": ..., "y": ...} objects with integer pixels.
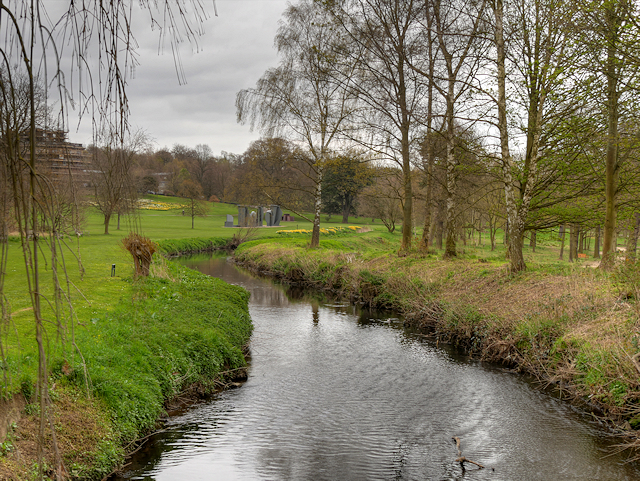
[
  {"x": 301, "y": 98},
  {"x": 458, "y": 27},
  {"x": 538, "y": 57}
]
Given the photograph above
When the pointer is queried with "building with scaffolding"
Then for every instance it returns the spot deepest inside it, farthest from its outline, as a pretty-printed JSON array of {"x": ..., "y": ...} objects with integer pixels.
[{"x": 61, "y": 159}]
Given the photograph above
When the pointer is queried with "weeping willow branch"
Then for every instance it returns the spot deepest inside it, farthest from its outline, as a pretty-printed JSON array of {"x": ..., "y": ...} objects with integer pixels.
[{"x": 84, "y": 55}]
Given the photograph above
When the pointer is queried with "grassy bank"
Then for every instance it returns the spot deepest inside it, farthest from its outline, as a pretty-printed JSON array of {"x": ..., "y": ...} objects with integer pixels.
[
  {"x": 146, "y": 341},
  {"x": 178, "y": 330},
  {"x": 126, "y": 348},
  {"x": 570, "y": 325},
  {"x": 121, "y": 357}
]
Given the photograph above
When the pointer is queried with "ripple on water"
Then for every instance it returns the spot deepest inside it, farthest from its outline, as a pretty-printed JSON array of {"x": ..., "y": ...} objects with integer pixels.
[{"x": 335, "y": 393}]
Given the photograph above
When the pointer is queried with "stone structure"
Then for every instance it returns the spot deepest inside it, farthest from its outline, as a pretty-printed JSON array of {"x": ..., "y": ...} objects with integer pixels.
[
  {"x": 229, "y": 222},
  {"x": 243, "y": 215},
  {"x": 275, "y": 215},
  {"x": 256, "y": 216}
]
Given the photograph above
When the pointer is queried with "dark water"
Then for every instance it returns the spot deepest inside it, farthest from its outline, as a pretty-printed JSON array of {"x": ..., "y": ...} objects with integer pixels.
[{"x": 336, "y": 393}]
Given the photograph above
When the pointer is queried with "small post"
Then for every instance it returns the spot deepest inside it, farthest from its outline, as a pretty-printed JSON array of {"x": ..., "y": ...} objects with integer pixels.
[{"x": 113, "y": 270}]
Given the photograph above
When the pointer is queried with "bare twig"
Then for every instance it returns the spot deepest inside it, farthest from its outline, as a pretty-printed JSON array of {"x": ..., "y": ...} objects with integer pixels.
[{"x": 461, "y": 459}]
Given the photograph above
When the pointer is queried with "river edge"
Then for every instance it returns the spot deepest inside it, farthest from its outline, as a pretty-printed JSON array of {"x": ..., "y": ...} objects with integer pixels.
[
  {"x": 472, "y": 304},
  {"x": 572, "y": 330},
  {"x": 181, "y": 337}
]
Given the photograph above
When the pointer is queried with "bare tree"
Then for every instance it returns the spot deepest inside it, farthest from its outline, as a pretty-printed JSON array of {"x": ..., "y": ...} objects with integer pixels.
[
  {"x": 192, "y": 191},
  {"x": 383, "y": 198},
  {"x": 201, "y": 164},
  {"x": 274, "y": 171},
  {"x": 112, "y": 178},
  {"x": 458, "y": 26},
  {"x": 385, "y": 40},
  {"x": 219, "y": 176},
  {"x": 301, "y": 98},
  {"x": 96, "y": 42}
]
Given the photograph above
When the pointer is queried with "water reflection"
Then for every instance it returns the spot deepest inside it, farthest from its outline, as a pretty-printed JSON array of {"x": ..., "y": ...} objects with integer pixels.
[{"x": 337, "y": 392}]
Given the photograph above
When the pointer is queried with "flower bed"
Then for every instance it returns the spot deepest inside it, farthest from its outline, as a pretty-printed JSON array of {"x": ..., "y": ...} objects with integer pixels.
[{"x": 325, "y": 231}]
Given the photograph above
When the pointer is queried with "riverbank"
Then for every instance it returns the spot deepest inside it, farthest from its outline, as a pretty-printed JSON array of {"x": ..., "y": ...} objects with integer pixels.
[
  {"x": 572, "y": 327},
  {"x": 146, "y": 345},
  {"x": 177, "y": 332}
]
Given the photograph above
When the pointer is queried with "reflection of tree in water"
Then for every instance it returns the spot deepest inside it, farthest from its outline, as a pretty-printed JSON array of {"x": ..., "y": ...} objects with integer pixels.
[
  {"x": 367, "y": 316},
  {"x": 268, "y": 297},
  {"x": 154, "y": 449},
  {"x": 300, "y": 293}
]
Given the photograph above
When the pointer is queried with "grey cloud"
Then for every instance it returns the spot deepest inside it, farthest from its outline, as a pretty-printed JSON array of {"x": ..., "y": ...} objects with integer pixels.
[{"x": 234, "y": 52}]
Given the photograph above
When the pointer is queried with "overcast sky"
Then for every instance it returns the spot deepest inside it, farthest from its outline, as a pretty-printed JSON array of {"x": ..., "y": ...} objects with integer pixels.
[{"x": 234, "y": 52}]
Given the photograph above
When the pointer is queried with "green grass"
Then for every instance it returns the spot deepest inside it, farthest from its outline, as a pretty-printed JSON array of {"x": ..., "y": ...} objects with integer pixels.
[
  {"x": 93, "y": 292},
  {"x": 144, "y": 341},
  {"x": 176, "y": 333}
]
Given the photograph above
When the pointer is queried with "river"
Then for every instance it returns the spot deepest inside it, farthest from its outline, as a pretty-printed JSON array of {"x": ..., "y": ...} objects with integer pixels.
[{"x": 336, "y": 392}]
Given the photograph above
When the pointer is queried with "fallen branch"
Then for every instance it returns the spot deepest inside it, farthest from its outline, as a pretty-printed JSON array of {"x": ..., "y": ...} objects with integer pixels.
[{"x": 461, "y": 459}]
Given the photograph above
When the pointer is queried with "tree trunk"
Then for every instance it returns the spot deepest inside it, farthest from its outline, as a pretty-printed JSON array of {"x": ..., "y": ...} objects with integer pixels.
[
  {"x": 315, "y": 234},
  {"x": 581, "y": 237},
  {"x": 492, "y": 233},
  {"x": 346, "y": 208},
  {"x": 407, "y": 211},
  {"x": 562, "y": 237},
  {"x": 632, "y": 244},
  {"x": 518, "y": 194},
  {"x": 439, "y": 233},
  {"x": 516, "y": 242},
  {"x": 532, "y": 241},
  {"x": 107, "y": 218},
  {"x": 611, "y": 163},
  {"x": 573, "y": 242},
  {"x": 424, "y": 242},
  {"x": 450, "y": 246},
  {"x": 118, "y": 226}
]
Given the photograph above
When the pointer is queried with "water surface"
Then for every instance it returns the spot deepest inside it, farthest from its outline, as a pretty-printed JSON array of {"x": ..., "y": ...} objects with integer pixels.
[{"x": 339, "y": 393}]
